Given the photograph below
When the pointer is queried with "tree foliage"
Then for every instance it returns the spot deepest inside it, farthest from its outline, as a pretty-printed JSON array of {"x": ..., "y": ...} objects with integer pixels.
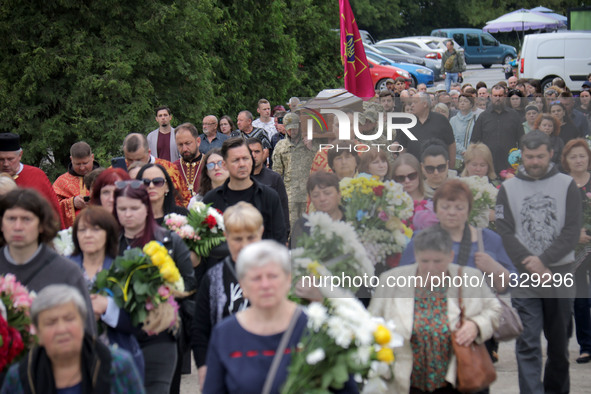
[{"x": 96, "y": 70}]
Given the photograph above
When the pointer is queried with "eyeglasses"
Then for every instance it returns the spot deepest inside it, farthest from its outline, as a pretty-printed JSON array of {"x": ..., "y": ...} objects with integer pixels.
[
  {"x": 431, "y": 169},
  {"x": 411, "y": 177},
  {"x": 555, "y": 102},
  {"x": 211, "y": 166},
  {"x": 134, "y": 184},
  {"x": 157, "y": 182}
]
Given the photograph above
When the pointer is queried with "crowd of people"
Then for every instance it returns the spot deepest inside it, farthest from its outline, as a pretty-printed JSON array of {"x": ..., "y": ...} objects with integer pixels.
[{"x": 264, "y": 175}]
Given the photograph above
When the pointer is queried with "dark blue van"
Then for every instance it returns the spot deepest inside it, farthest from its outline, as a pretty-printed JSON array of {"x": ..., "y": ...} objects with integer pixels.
[{"x": 479, "y": 46}]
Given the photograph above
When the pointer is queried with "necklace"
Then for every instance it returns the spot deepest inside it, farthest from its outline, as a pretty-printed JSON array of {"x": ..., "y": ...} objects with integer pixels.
[{"x": 192, "y": 174}]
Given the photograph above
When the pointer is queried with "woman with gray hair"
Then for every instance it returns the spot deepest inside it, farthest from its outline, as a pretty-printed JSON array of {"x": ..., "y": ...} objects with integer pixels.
[
  {"x": 426, "y": 312},
  {"x": 67, "y": 359},
  {"x": 244, "y": 346}
]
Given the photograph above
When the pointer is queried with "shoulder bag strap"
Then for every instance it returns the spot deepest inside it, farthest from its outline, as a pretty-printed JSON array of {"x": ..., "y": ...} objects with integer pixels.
[
  {"x": 460, "y": 303},
  {"x": 280, "y": 350}
]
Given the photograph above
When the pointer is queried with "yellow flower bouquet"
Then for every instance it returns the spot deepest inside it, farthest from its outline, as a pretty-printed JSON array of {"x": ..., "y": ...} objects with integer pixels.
[{"x": 144, "y": 283}]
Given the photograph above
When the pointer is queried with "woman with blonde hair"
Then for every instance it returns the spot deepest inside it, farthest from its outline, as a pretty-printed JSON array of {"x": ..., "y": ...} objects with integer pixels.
[
  {"x": 478, "y": 161},
  {"x": 220, "y": 294}
]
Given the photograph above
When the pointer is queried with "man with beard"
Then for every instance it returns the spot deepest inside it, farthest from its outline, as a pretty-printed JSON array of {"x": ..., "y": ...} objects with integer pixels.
[
  {"x": 240, "y": 186},
  {"x": 538, "y": 216},
  {"x": 161, "y": 141},
  {"x": 499, "y": 128},
  {"x": 189, "y": 165}
]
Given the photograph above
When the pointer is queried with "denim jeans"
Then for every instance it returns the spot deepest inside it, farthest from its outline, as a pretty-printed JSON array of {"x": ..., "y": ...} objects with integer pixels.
[{"x": 449, "y": 78}]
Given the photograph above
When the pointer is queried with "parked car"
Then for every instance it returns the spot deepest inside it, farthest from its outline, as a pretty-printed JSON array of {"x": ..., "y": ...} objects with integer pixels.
[
  {"x": 427, "y": 43},
  {"x": 380, "y": 74},
  {"x": 390, "y": 50},
  {"x": 549, "y": 55},
  {"x": 419, "y": 74},
  {"x": 414, "y": 50},
  {"x": 479, "y": 46},
  {"x": 396, "y": 55}
]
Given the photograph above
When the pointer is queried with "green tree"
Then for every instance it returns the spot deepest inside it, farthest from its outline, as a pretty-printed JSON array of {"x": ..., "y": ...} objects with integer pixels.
[
  {"x": 94, "y": 71},
  {"x": 254, "y": 55},
  {"x": 314, "y": 25}
]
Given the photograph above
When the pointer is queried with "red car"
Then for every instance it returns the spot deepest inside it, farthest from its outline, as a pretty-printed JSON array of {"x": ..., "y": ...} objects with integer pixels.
[{"x": 380, "y": 73}]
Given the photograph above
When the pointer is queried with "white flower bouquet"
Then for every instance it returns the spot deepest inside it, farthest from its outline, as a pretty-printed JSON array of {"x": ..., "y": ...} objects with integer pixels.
[
  {"x": 63, "y": 242},
  {"x": 342, "y": 340},
  {"x": 485, "y": 197},
  {"x": 331, "y": 248}
]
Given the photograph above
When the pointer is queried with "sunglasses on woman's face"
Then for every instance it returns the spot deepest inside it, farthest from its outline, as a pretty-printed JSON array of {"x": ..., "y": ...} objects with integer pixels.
[
  {"x": 431, "y": 169},
  {"x": 134, "y": 184},
  {"x": 158, "y": 182},
  {"x": 211, "y": 166},
  {"x": 411, "y": 177}
]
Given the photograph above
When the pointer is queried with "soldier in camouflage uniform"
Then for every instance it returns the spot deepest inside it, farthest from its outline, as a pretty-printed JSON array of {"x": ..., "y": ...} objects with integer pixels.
[{"x": 292, "y": 159}]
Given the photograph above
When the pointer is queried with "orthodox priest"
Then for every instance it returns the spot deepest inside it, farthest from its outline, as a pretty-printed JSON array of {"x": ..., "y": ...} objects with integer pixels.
[
  {"x": 69, "y": 187},
  {"x": 189, "y": 165},
  {"x": 24, "y": 175}
]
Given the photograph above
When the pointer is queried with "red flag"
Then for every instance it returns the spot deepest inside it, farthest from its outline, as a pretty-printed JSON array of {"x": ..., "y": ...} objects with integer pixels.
[{"x": 357, "y": 76}]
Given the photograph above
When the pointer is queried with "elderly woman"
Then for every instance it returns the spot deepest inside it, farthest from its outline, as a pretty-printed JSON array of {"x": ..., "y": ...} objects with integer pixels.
[
  {"x": 67, "y": 360},
  {"x": 264, "y": 272},
  {"x": 462, "y": 125},
  {"x": 426, "y": 315},
  {"x": 452, "y": 204},
  {"x": 220, "y": 294}
]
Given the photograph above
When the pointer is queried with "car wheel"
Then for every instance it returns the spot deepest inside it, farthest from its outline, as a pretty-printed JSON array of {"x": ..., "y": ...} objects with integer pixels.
[
  {"x": 413, "y": 82},
  {"x": 507, "y": 59},
  {"x": 381, "y": 85},
  {"x": 486, "y": 65},
  {"x": 546, "y": 83}
]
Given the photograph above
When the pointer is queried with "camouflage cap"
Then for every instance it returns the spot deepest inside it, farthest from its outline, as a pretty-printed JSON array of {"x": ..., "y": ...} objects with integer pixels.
[
  {"x": 389, "y": 80},
  {"x": 291, "y": 121}
]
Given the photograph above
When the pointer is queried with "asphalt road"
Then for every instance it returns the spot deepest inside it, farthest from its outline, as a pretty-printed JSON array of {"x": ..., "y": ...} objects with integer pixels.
[{"x": 506, "y": 368}]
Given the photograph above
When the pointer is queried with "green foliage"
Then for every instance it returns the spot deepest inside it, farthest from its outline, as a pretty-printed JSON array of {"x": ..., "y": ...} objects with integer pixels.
[
  {"x": 132, "y": 281},
  {"x": 95, "y": 71}
]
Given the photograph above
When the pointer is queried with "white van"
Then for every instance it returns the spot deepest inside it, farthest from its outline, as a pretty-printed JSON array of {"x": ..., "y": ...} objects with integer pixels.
[{"x": 549, "y": 55}]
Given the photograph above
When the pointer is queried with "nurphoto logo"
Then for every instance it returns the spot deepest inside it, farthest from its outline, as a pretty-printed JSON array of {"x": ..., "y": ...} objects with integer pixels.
[{"x": 387, "y": 122}]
